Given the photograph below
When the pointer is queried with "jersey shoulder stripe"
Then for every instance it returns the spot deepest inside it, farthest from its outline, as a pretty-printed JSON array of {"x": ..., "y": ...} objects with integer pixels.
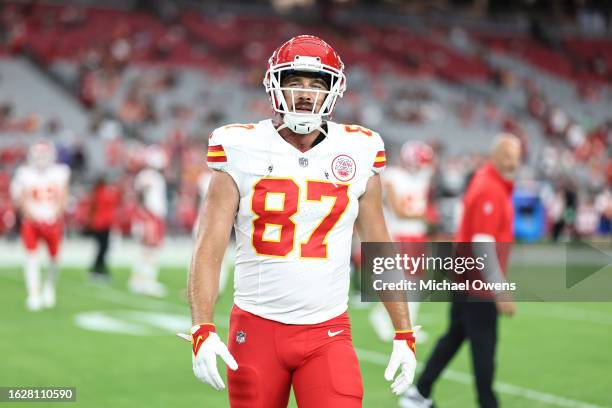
[
  {"x": 216, "y": 154},
  {"x": 380, "y": 160},
  {"x": 229, "y": 146}
]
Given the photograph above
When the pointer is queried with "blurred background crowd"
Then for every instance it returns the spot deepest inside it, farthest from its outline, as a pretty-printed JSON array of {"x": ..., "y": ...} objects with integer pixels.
[{"x": 104, "y": 81}]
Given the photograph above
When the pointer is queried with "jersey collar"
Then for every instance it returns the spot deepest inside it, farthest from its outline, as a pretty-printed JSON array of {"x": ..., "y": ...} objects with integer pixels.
[{"x": 290, "y": 147}]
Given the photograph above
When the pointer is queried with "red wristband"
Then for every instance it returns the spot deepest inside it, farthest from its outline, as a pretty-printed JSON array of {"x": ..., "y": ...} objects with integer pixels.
[
  {"x": 199, "y": 333},
  {"x": 408, "y": 336}
]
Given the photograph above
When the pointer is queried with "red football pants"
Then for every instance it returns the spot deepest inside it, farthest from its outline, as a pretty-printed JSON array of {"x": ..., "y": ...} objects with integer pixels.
[
  {"x": 51, "y": 234},
  {"x": 318, "y": 360},
  {"x": 153, "y": 229}
]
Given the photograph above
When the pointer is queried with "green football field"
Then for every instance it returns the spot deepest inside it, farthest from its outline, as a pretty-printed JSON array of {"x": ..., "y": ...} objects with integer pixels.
[{"x": 119, "y": 349}]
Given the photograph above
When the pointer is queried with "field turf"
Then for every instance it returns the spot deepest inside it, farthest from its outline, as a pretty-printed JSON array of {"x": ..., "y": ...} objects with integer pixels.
[{"x": 550, "y": 354}]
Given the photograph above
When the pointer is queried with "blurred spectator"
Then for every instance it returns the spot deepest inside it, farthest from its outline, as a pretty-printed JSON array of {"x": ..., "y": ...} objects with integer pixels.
[
  {"x": 587, "y": 218},
  {"x": 158, "y": 72},
  {"x": 554, "y": 203},
  {"x": 603, "y": 204},
  {"x": 104, "y": 203}
]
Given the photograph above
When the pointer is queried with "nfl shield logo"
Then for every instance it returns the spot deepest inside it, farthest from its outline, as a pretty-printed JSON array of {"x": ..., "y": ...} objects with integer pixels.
[
  {"x": 240, "y": 337},
  {"x": 303, "y": 161}
]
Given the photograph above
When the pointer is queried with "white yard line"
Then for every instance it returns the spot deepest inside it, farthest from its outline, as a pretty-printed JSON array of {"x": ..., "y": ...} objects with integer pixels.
[
  {"x": 116, "y": 296},
  {"x": 569, "y": 312},
  {"x": 463, "y": 378}
]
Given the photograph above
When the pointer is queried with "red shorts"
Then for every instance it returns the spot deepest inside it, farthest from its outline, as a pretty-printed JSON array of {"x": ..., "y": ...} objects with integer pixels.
[
  {"x": 32, "y": 232},
  {"x": 318, "y": 360}
]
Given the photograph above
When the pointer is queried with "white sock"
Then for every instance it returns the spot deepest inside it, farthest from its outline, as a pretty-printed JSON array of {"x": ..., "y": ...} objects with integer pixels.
[
  {"x": 149, "y": 269},
  {"x": 52, "y": 273},
  {"x": 32, "y": 275}
]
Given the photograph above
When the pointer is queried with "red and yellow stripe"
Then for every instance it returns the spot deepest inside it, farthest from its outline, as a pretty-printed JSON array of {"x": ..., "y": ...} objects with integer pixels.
[
  {"x": 200, "y": 335},
  {"x": 408, "y": 337},
  {"x": 380, "y": 160},
  {"x": 216, "y": 154}
]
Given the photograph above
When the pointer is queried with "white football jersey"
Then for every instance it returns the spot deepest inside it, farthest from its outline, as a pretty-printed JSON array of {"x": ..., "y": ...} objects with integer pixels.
[
  {"x": 412, "y": 189},
  {"x": 296, "y": 215},
  {"x": 41, "y": 190},
  {"x": 152, "y": 185}
]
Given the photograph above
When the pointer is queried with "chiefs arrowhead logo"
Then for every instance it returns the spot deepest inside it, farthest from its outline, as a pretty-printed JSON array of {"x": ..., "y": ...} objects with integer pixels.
[{"x": 344, "y": 167}]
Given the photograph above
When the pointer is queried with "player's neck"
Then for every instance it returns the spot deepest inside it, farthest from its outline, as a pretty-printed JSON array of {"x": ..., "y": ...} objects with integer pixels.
[{"x": 301, "y": 142}]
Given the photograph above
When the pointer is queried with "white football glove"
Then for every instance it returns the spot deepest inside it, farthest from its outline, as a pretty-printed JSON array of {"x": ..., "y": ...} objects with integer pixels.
[
  {"x": 206, "y": 346},
  {"x": 403, "y": 356}
]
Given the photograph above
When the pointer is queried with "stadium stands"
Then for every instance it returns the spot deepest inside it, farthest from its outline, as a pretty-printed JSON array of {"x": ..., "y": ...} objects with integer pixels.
[{"x": 110, "y": 79}]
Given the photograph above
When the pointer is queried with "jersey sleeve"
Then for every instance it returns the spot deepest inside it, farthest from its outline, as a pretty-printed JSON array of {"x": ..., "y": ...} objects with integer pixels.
[
  {"x": 380, "y": 159},
  {"x": 222, "y": 154}
]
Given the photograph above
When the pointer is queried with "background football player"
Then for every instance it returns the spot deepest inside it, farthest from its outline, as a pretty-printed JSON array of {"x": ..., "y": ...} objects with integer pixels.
[
  {"x": 150, "y": 225},
  {"x": 40, "y": 191},
  {"x": 406, "y": 191},
  {"x": 294, "y": 187}
]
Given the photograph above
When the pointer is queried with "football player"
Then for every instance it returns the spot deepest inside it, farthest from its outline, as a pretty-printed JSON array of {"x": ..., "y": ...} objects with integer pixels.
[
  {"x": 406, "y": 190},
  {"x": 40, "y": 191},
  {"x": 293, "y": 187},
  {"x": 150, "y": 225}
]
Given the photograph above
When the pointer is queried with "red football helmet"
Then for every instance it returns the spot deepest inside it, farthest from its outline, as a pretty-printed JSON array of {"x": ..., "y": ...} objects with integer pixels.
[
  {"x": 305, "y": 53},
  {"x": 416, "y": 154}
]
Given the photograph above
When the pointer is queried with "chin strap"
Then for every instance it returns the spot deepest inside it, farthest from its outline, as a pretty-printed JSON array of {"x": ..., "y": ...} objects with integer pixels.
[
  {"x": 319, "y": 128},
  {"x": 303, "y": 123}
]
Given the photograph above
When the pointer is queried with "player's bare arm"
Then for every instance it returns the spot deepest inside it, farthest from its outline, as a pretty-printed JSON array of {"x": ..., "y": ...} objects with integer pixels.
[
  {"x": 214, "y": 232},
  {"x": 371, "y": 227},
  {"x": 18, "y": 195},
  {"x": 21, "y": 205},
  {"x": 213, "y": 235}
]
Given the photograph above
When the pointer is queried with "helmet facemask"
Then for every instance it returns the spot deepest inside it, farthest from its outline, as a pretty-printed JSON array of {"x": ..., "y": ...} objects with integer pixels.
[{"x": 297, "y": 120}]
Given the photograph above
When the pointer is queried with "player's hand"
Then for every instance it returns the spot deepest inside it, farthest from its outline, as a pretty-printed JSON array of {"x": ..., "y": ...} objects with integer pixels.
[
  {"x": 506, "y": 308},
  {"x": 403, "y": 357},
  {"x": 206, "y": 346}
]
